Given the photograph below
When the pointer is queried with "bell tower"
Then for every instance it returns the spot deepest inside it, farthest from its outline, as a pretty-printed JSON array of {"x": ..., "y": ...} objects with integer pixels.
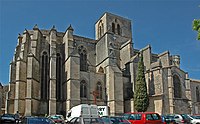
[
  {"x": 114, "y": 24},
  {"x": 114, "y": 36}
]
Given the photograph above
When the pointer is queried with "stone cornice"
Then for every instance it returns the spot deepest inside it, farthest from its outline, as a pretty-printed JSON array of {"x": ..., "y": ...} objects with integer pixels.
[{"x": 31, "y": 78}]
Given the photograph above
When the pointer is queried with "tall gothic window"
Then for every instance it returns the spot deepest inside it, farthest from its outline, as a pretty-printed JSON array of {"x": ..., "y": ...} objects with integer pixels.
[
  {"x": 83, "y": 89},
  {"x": 83, "y": 58},
  {"x": 58, "y": 77},
  {"x": 99, "y": 90},
  {"x": 113, "y": 27},
  {"x": 101, "y": 29},
  {"x": 151, "y": 84},
  {"x": 118, "y": 29},
  {"x": 44, "y": 76},
  {"x": 177, "y": 87},
  {"x": 197, "y": 94}
]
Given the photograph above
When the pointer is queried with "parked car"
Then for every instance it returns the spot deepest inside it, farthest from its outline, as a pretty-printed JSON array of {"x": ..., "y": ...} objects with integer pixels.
[
  {"x": 115, "y": 120},
  {"x": 194, "y": 120},
  {"x": 181, "y": 119},
  {"x": 119, "y": 120},
  {"x": 168, "y": 119},
  {"x": 196, "y": 116},
  {"x": 58, "y": 119},
  {"x": 36, "y": 120},
  {"x": 85, "y": 120},
  {"x": 106, "y": 120},
  {"x": 143, "y": 118},
  {"x": 9, "y": 118}
]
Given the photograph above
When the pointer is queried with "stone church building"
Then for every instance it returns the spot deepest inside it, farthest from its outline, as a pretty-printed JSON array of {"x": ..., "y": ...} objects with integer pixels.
[{"x": 53, "y": 71}]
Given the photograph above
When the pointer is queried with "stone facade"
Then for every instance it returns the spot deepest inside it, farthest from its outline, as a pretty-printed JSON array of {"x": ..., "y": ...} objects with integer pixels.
[
  {"x": 3, "y": 91},
  {"x": 53, "y": 71}
]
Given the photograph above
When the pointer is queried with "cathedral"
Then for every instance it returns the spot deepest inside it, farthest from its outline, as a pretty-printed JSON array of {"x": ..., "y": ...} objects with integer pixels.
[{"x": 53, "y": 71}]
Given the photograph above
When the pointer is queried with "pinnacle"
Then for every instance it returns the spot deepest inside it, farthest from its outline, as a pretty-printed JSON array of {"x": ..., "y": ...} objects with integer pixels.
[
  {"x": 35, "y": 27},
  {"x": 70, "y": 28},
  {"x": 53, "y": 28}
]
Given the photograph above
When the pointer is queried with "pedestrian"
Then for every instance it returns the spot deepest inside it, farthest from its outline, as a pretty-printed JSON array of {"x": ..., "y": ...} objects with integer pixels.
[{"x": 17, "y": 117}]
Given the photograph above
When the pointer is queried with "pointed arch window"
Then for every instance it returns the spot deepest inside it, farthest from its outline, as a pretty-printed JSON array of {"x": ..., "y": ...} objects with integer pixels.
[
  {"x": 58, "y": 77},
  {"x": 44, "y": 76},
  {"x": 100, "y": 29},
  {"x": 197, "y": 94},
  {"x": 113, "y": 27},
  {"x": 83, "y": 58},
  {"x": 99, "y": 90},
  {"x": 118, "y": 29},
  {"x": 83, "y": 89},
  {"x": 177, "y": 87}
]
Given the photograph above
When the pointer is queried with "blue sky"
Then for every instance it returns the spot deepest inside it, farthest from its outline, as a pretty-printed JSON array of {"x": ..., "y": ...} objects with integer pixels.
[{"x": 164, "y": 24}]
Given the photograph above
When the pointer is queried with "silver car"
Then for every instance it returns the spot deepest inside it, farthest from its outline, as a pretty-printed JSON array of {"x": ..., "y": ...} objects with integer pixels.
[
  {"x": 182, "y": 119},
  {"x": 85, "y": 120},
  {"x": 194, "y": 120}
]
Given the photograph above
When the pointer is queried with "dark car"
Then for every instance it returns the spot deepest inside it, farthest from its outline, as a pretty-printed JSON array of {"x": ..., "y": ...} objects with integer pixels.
[
  {"x": 119, "y": 120},
  {"x": 106, "y": 120},
  {"x": 36, "y": 120},
  {"x": 115, "y": 120},
  {"x": 9, "y": 118}
]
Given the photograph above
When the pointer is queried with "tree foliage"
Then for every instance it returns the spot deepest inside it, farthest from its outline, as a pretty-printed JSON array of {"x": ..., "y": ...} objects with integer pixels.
[
  {"x": 196, "y": 27},
  {"x": 141, "y": 99}
]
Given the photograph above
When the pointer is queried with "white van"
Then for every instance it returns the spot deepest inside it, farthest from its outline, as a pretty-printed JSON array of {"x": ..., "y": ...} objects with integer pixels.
[
  {"x": 82, "y": 110},
  {"x": 103, "y": 111}
]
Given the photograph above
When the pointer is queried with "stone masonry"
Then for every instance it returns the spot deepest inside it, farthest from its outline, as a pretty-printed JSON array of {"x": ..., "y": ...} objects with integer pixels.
[{"x": 53, "y": 71}]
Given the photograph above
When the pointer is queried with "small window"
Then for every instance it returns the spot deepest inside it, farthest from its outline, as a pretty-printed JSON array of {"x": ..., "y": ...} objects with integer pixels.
[
  {"x": 176, "y": 117},
  {"x": 155, "y": 116},
  {"x": 132, "y": 117},
  {"x": 152, "y": 117},
  {"x": 118, "y": 29},
  {"x": 149, "y": 117},
  {"x": 99, "y": 31},
  {"x": 113, "y": 27},
  {"x": 83, "y": 58},
  {"x": 85, "y": 110},
  {"x": 126, "y": 116},
  {"x": 135, "y": 117},
  {"x": 99, "y": 90},
  {"x": 101, "y": 70},
  {"x": 83, "y": 89},
  {"x": 197, "y": 94}
]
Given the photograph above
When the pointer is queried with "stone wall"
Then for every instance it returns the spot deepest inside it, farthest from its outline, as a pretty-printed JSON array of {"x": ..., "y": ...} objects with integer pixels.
[{"x": 194, "y": 84}]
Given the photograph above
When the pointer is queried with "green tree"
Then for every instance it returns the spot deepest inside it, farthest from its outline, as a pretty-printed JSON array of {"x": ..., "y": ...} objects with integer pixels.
[
  {"x": 141, "y": 98},
  {"x": 196, "y": 27}
]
